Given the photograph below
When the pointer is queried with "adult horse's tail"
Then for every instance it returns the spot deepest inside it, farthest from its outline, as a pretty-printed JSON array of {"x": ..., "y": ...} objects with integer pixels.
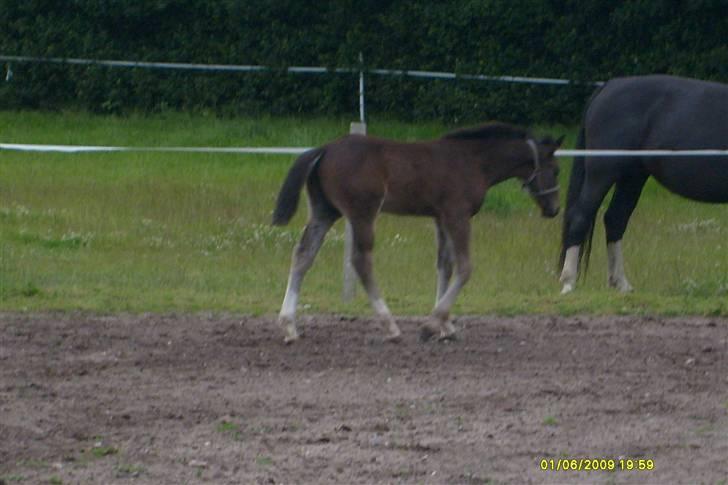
[
  {"x": 287, "y": 202},
  {"x": 576, "y": 181}
]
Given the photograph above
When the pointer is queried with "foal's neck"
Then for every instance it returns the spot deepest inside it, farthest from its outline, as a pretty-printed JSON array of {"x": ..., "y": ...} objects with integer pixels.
[{"x": 503, "y": 159}]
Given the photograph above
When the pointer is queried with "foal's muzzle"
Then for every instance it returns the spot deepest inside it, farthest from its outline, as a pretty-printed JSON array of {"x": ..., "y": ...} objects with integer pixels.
[
  {"x": 538, "y": 193},
  {"x": 550, "y": 211},
  {"x": 548, "y": 198}
]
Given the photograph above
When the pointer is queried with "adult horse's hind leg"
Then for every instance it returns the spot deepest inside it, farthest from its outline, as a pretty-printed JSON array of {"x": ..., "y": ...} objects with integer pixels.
[
  {"x": 303, "y": 256},
  {"x": 579, "y": 220},
  {"x": 363, "y": 231},
  {"x": 444, "y": 262},
  {"x": 457, "y": 231},
  {"x": 623, "y": 202}
]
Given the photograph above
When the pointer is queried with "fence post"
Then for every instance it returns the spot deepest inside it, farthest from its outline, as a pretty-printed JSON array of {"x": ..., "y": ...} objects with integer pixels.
[{"x": 349, "y": 292}]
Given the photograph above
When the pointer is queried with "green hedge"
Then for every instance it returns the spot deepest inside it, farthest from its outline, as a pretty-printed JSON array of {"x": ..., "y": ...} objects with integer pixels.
[{"x": 581, "y": 40}]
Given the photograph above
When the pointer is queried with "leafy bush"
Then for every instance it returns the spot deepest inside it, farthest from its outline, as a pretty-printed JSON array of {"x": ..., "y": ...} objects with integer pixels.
[{"x": 582, "y": 40}]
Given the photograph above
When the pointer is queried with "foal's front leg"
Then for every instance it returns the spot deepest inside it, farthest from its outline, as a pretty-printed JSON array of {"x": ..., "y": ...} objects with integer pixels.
[
  {"x": 457, "y": 232},
  {"x": 444, "y": 261}
]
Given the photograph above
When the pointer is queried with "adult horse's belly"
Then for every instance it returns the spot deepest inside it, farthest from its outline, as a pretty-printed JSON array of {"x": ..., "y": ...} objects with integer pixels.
[{"x": 699, "y": 178}]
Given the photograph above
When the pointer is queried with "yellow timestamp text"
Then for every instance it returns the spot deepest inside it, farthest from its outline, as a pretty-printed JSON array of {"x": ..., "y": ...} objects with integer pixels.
[{"x": 597, "y": 464}]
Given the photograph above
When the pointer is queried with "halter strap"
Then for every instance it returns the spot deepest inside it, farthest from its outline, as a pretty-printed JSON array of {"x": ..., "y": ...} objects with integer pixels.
[{"x": 536, "y": 170}]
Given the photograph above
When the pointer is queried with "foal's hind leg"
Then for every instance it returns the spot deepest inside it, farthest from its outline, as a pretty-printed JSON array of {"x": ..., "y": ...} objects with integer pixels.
[
  {"x": 303, "y": 256},
  {"x": 620, "y": 209},
  {"x": 457, "y": 232},
  {"x": 363, "y": 231}
]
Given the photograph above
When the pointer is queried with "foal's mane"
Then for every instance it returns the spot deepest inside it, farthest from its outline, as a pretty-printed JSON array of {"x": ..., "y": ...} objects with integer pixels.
[{"x": 488, "y": 130}]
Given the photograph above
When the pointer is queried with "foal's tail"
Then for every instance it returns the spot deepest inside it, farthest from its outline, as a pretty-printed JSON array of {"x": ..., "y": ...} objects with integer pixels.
[
  {"x": 287, "y": 202},
  {"x": 576, "y": 181}
]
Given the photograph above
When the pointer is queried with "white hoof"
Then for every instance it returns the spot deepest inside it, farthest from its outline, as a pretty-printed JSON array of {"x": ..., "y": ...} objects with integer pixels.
[
  {"x": 622, "y": 286},
  {"x": 289, "y": 339},
  {"x": 568, "y": 288},
  {"x": 289, "y": 327},
  {"x": 394, "y": 338},
  {"x": 394, "y": 334}
]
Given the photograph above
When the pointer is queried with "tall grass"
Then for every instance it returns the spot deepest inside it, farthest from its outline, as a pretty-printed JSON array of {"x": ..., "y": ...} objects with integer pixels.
[{"x": 190, "y": 232}]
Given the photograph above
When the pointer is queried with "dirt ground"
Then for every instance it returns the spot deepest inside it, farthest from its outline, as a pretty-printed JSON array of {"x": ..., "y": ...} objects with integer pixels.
[{"x": 159, "y": 399}]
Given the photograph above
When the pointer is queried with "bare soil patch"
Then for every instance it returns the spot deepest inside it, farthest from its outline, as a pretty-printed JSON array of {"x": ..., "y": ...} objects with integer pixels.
[{"x": 220, "y": 399}]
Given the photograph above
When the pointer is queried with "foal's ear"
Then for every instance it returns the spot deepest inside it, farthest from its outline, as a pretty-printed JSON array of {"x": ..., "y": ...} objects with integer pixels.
[
  {"x": 551, "y": 142},
  {"x": 553, "y": 145}
]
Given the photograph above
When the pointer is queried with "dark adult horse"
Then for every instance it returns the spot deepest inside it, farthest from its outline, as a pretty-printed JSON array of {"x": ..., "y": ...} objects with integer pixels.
[
  {"x": 446, "y": 179},
  {"x": 641, "y": 113}
]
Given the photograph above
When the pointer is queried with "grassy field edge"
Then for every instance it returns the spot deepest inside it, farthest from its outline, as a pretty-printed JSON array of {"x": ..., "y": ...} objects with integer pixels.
[{"x": 159, "y": 232}]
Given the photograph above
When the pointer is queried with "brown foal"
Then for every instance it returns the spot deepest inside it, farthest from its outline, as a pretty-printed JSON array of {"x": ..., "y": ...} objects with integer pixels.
[{"x": 360, "y": 176}]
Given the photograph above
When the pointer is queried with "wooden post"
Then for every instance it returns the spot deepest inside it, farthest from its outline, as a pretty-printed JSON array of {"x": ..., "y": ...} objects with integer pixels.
[{"x": 349, "y": 292}]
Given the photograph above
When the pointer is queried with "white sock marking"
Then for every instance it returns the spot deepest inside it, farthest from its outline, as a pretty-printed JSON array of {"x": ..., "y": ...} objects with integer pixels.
[
  {"x": 615, "y": 266},
  {"x": 288, "y": 309},
  {"x": 571, "y": 267}
]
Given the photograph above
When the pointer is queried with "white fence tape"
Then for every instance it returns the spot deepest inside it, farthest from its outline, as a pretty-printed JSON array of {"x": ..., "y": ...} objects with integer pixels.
[
  {"x": 293, "y": 70},
  {"x": 299, "y": 150},
  {"x": 640, "y": 153},
  {"x": 82, "y": 148}
]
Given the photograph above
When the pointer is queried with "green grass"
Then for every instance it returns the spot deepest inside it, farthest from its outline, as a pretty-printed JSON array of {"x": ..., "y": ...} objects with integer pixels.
[
  {"x": 162, "y": 232},
  {"x": 103, "y": 451},
  {"x": 128, "y": 470},
  {"x": 12, "y": 478},
  {"x": 230, "y": 429},
  {"x": 264, "y": 461},
  {"x": 550, "y": 421}
]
